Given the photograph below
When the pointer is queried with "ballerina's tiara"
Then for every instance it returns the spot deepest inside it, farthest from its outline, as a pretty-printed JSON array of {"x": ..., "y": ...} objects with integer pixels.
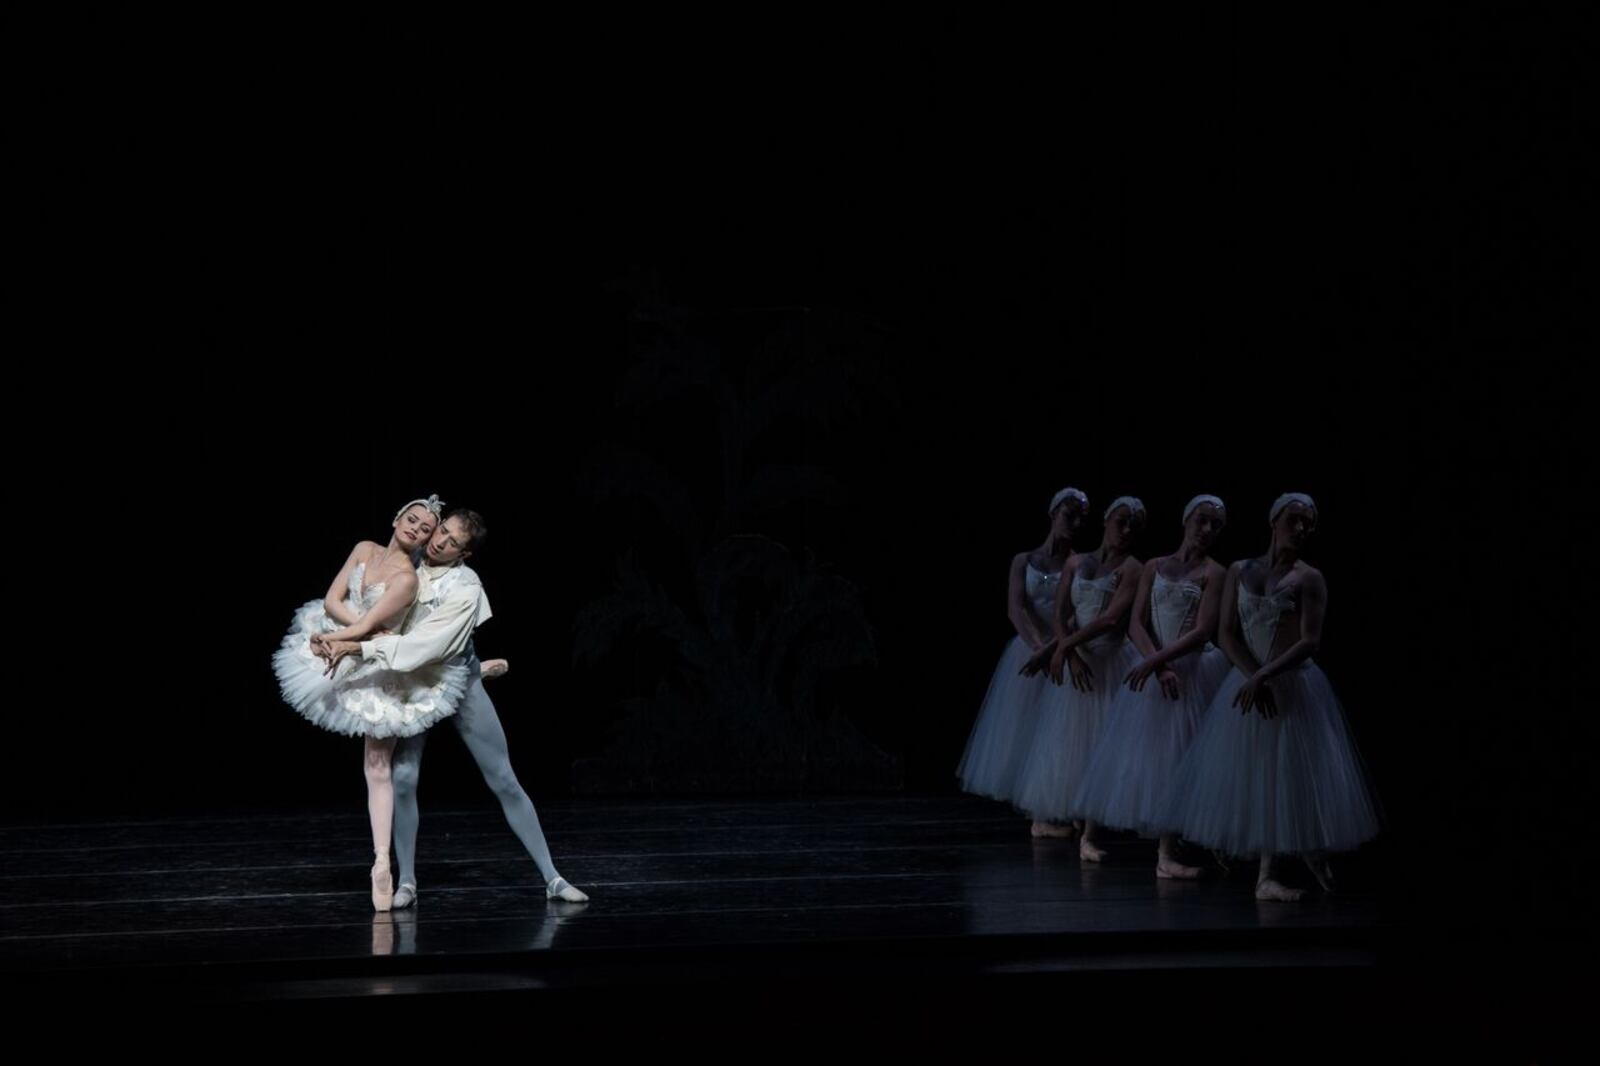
[{"x": 432, "y": 503}]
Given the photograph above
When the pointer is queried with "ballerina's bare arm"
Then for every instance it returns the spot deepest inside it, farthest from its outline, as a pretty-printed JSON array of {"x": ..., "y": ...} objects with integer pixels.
[
  {"x": 1228, "y": 625},
  {"x": 391, "y": 607},
  {"x": 1141, "y": 610},
  {"x": 1062, "y": 620},
  {"x": 1313, "y": 608},
  {"x": 1064, "y": 660},
  {"x": 334, "y": 602},
  {"x": 1205, "y": 622},
  {"x": 1017, "y": 611},
  {"x": 1115, "y": 612}
]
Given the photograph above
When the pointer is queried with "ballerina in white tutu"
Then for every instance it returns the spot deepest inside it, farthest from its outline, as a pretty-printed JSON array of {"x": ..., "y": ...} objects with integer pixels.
[
  {"x": 1008, "y": 717},
  {"x": 1274, "y": 770},
  {"x": 1149, "y": 727},
  {"x": 1091, "y": 647},
  {"x": 373, "y": 593}
]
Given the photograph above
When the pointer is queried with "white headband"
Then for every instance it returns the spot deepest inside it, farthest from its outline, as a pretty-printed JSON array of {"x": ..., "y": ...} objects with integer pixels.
[
  {"x": 1286, "y": 499},
  {"x": 1189, "y": 507},
  {"x": 432, "y": 503},
  {"x": 1055, "y": 501},
  {"x": 1132, "y": 503}
]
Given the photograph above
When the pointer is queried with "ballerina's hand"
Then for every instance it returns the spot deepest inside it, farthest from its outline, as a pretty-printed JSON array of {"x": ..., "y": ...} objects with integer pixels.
[
  {"x": 1265, "y": 701},
  {"x": 1036, "y": 661},
  {"x": 494, "y": 668},
  {"x": 1169, "y": 683},
  {"x": 1056, "y": 663},
  {"x": 1082, "y": 675},
  {"x": 1255, "y": 695},
  {"x": 1245, "y": 696},
  {"x": 337, "y": 650},
  {"x": 1139, "y": 675}
]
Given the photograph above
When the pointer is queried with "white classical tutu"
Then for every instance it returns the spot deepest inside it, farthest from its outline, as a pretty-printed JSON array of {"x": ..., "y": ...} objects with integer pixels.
[
  {"x": 1004, "y": 731},
  {"x": 1293, "y": 783},
  {"x": 1069, "y": 730},
  {"x": 362, "y": 698},
  {"x": 1144, "y": 740},
  {"x": 1009, "y": 716}
]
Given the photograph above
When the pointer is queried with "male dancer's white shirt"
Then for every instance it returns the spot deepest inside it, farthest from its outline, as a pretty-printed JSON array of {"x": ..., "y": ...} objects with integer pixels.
[{"x": 450, "y": 604}]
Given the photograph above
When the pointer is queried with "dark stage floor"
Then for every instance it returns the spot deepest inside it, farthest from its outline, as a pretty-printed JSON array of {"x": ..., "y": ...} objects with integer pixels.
[{"x": 945, "y": 894}]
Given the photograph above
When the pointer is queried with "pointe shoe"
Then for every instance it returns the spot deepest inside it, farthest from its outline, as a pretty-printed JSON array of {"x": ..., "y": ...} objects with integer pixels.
[
  {"x": 1170, "y": 869},
  {"x": 559, "y": 889},
  {"x": 1272, "y": 891},
  {"x": 404, "y": 896},
  {"x": 1087, "y": 852},
  {"x": 1321, "y": 870},
  {"x": 382, "y": 884},
  {"x": 493, "y": 668}
]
